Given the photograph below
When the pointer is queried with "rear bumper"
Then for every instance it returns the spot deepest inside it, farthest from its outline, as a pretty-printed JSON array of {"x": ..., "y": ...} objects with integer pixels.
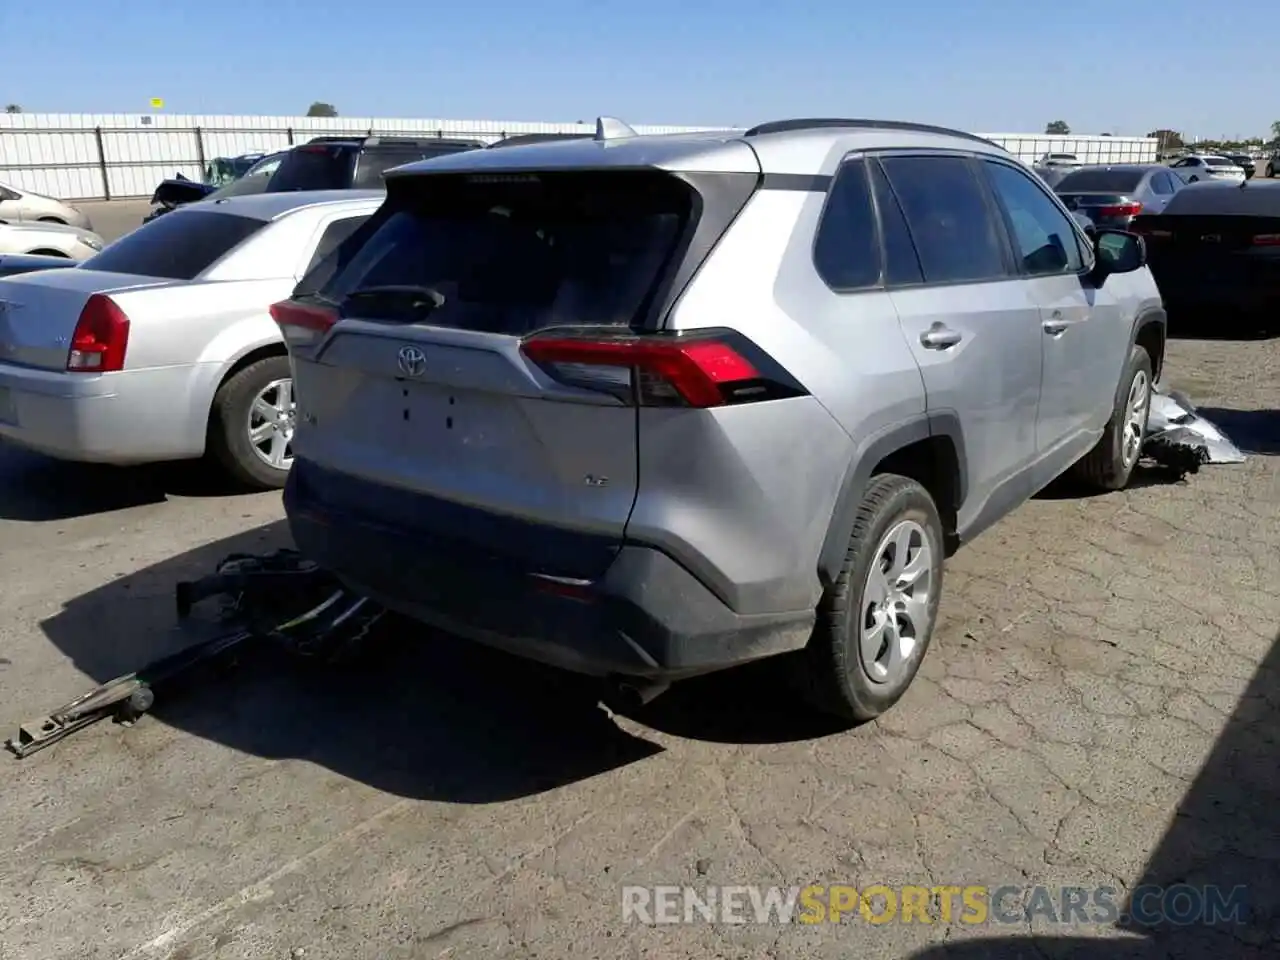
[
  {"x": 120, "y": 418},
  {"x": 645, "y": 617}
]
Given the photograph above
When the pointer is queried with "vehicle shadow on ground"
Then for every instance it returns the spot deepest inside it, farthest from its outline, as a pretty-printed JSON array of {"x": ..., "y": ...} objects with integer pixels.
[
  {"x": 1145, "y": 474},
  {"x": 1252, "y": 431},
  {"x": 36, "y": 488},
  {"x": 753, "y": 704},
  {"x": 1225, "y": 835},
  {"x": 420, "y": 714},
  {"x": 1214, "y": 326}
]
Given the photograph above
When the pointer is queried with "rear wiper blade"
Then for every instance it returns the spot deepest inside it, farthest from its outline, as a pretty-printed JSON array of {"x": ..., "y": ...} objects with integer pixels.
[{"x": 424, "y": 299}]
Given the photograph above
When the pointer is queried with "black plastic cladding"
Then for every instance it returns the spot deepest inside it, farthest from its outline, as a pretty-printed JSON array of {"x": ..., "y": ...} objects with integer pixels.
[{"x": 823, "y": 123}]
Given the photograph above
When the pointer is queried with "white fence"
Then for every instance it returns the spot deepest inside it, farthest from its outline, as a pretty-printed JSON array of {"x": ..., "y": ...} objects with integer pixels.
[{"x": 110, "y": 156}]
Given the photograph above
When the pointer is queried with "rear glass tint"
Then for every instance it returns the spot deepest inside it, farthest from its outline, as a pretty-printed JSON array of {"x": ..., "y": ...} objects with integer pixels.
[
  {"x": 515, "y": 253},
  {"x": 314, "y": 168},
  {"x": 1218, "y": 162},
  {"x": 1225, "y": 198},
  {"x": 178, "y": 246},
  {"x": 1100, "y": 180}
]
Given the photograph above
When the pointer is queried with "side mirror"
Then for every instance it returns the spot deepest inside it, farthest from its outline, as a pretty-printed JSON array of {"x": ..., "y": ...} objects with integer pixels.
[{"x": 1118, "y": 251}]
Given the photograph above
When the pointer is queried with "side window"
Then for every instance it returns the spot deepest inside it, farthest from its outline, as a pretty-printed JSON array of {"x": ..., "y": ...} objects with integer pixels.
[
  {"x": 846, "y": 251},
  {"x": 901, "y": 263},
  {"x": 1043, "y": 236},
  {"x": 955, "y": 232},
  {"x": 374, "y": 164},
  {"x": 333, "y": 235},
  {"x": 1161, "y": 184}
]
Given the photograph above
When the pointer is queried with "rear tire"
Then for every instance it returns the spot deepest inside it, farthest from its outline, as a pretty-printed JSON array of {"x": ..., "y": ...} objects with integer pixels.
[
  {"x": 864, "y": 652},
  {"x": 1109, "y": 465},
  {"x": 230, "y": 423}
]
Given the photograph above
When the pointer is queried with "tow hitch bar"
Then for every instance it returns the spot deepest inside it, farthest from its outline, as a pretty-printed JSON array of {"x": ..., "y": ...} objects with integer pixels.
[{"x": 276, "y": 597}]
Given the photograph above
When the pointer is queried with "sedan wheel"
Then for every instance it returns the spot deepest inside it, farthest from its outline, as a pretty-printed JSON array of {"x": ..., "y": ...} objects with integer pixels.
[
  {"x": 251, "y": 425},
  {"x": 270, "y": 424}
]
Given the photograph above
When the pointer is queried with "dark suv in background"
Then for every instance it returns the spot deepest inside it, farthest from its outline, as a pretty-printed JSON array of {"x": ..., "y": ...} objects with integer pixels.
[
  {"x": 345, "y": 163},
  {"x": 323, "y": 163}
]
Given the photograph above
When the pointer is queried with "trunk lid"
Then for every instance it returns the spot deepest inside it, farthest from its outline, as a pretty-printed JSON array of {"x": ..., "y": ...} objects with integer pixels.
[
  {"x": 1101, "y": 206},
  {"x": 1184, "y": 250},
  {"x": 39, "y": 311},
  {"x": 422, "y": 386}
]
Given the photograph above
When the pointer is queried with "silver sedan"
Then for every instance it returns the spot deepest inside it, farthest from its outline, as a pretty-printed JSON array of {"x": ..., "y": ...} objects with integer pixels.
[
  {"x": 49, "y": 240},
  {"x": 162, "y": 347}
]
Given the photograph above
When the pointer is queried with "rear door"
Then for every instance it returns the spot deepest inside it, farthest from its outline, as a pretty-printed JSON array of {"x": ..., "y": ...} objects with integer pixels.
[
  {"x": 421, "y": 385},
  {"x": 1084, "y": 333},
  {"x": 971, "y": 323}
]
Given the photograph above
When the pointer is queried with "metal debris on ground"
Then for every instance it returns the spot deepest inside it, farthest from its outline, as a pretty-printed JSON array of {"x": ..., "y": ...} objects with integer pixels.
[
  {"x": 278, "y": 598},
  {"x": 1180, "y": 440}
]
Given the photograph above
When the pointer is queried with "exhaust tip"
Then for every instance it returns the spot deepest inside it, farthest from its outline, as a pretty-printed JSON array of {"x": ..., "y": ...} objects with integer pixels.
[{"x": 625, "y": 696}]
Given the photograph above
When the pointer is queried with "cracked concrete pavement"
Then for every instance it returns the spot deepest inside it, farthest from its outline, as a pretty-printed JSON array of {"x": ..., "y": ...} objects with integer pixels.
[{"x": 1099, "y": 707}]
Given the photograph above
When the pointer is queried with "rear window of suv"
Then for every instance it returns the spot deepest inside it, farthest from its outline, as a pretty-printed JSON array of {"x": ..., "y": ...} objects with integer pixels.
[
  {"x": 1099, "y": 181},
  {"x": 314, "y": 167},
  {"x": 178, "y": 246},
  {"x": 514, "y": 253}
]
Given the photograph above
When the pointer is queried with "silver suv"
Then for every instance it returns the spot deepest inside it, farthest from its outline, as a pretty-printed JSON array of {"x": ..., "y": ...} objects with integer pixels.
[{"x": 651, "y": 406}]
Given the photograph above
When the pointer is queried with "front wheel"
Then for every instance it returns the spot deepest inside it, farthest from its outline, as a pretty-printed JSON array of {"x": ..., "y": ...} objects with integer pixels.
[
  {"x": 875, "y": 622},
  {"x": 251, "y": 426},
  {"x": 1110, "y": 464}
]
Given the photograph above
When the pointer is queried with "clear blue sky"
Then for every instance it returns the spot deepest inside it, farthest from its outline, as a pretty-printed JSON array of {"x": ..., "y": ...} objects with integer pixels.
[{"x": 989, "y": 66}]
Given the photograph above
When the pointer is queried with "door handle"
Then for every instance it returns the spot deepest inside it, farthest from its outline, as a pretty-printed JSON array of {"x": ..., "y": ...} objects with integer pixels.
[
  {"x": 1055, "y": 325},
  {"x": 939, "y": 337}
]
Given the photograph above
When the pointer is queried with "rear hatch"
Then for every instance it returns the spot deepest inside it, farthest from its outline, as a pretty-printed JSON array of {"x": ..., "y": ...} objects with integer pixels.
[{"x": 442, "y": 358}]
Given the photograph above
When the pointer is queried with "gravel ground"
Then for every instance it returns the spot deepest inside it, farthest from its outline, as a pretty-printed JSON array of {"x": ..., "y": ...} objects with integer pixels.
[{"x": 1099, "y": 708}]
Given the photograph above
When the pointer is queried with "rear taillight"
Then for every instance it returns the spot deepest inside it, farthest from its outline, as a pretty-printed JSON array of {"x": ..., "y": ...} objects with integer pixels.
[
  {"x": 302, "y": 325},
  {"x": 704, "y": 369},
  {"x": 1121, "y": 210},
  {"x": 1266, "y": 240},
  {"x": 100, "y": 339}
]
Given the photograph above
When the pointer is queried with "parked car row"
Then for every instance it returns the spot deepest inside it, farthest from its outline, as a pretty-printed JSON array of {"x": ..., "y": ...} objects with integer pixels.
[{"x": 642, "y": 407}]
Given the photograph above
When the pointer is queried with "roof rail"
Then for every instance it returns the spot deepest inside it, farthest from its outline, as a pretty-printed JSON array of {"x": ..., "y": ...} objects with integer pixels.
[
  {"x": 524, "y": 139},
  {"x": 825, "y": 123}
]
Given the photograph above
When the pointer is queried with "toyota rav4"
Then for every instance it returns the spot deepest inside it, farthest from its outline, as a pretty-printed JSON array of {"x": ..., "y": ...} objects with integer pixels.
[{"x": 646, "y": 407}]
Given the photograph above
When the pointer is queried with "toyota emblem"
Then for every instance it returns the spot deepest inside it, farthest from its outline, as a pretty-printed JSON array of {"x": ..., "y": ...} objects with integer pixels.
[{"x": 412, "y": 361}]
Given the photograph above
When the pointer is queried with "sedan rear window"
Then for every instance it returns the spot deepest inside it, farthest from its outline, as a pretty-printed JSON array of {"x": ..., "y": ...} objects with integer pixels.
[
  {"x": 1225, "y": 198},
  {"x": 1099, "y": 180},
  {"x": 314, "y": 167},
  {"x": 1219, "y": 162},
  {"x": 178, "y": 246},
  {"x": 515, "y": 253}
]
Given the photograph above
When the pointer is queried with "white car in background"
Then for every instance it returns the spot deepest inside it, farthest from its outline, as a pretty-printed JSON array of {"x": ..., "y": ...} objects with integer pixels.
[
  {"x": 1199, "y": 166},
  {"x": 162, "y": 347},
  {"x": 49, "y": 240},
  {"x": 23, "y": 206}
]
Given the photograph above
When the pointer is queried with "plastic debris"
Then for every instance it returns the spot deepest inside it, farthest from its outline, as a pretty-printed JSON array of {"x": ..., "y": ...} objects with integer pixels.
[{"x": 1181, "y": 440}]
